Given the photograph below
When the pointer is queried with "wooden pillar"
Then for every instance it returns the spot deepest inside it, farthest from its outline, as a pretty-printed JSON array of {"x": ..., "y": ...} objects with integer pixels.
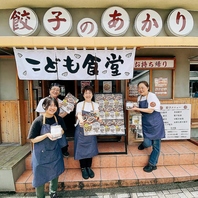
[
  {"x": 45, "y": 91},
  {"x": 96, "y": 86},
  {"x": 31, "y": 100},
  {"x": 118, "y": 86},
  {"x": 21, "y": 102},
  {"x": 151, "y": 80}
]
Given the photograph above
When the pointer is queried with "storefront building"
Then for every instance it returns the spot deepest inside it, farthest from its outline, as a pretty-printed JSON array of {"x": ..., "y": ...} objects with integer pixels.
[{"x": 163, "y": 40}]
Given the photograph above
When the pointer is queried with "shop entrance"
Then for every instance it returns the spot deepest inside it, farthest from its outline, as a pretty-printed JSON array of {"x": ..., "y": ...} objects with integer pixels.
[{"x": 75, "y": 87}]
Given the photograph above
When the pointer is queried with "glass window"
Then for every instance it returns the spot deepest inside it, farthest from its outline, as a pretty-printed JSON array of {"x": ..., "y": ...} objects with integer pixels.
[{"x": 193, "y": 85}]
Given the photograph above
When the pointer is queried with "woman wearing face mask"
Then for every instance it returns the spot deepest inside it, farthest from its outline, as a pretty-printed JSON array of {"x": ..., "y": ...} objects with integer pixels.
[
  {"x": 85, "y": 147},
  {"x": 152, "y": 124},
  {"x": 54, "y": 92},
  {"x": 47, "y": 160}
]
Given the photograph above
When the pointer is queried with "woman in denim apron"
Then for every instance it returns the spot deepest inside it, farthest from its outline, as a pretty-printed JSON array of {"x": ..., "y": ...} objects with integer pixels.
[
  {"x": 152, "y": 124},
  {"x": 47, "y": 159},
  {"x": 85, "y": 147},
  {"x": 54, "y": 92}
]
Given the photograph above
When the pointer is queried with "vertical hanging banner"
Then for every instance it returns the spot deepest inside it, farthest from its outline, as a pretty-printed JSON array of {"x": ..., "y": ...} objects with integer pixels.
[{"x": 43, "y": 64}]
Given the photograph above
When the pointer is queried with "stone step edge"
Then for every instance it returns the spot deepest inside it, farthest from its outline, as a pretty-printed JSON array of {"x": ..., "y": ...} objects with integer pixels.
[{"x": 114, "y": 183}]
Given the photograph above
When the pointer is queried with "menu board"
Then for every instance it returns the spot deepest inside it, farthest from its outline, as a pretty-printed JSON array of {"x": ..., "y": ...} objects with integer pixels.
[
  {"x": 112, "y": 114},
  {"x": 177, "y": 119}
]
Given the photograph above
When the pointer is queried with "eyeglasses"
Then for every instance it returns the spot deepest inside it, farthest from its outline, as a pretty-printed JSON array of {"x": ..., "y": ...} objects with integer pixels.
[{"x": 55, "y": 89}]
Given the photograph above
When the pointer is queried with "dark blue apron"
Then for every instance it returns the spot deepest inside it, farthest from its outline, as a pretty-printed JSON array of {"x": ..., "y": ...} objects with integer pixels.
[
  {"x": 47, "y": 159},
  {"x": 152, "y": 123},
  {"x": 84, "y": 146}
]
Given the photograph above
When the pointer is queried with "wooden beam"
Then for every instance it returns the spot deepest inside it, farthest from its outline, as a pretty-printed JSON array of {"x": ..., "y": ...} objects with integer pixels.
[
  {"x": 98, "y": 42},
  {"x": 6, "y": 57},
  {"x": 141, "y": 4}
]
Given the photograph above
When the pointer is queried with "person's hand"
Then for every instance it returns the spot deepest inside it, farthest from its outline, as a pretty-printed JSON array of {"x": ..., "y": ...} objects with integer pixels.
[
  {"x": 81, "y": 123},
  {"x": 136, "y": 109},
  {"x": 62, "y": 131},
  {"x": 100, "y": 120},
  {"x": 49, "y": 135}
]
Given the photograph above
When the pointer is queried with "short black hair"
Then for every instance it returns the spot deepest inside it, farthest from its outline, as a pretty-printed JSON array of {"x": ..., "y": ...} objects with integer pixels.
[
  {"x": 54, "y": 85},
  {"x": 48, "y": 101},
  {"x": 86, "y": 88}
]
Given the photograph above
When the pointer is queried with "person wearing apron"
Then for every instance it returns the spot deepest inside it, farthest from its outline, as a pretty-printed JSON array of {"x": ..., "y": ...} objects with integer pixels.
[
  {"x": 152, "y": 124},
  {"x": 85, "y": 147},
  {"x": 47, "y": 159},
  {"x": 54, "y": 92}
]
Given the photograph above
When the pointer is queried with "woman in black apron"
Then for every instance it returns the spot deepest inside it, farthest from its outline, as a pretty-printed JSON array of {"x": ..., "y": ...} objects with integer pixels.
[
  {"x": 85, "y": 147},
  {"x": 152, "y": 124},
  {"x": 47, "y": 159}
]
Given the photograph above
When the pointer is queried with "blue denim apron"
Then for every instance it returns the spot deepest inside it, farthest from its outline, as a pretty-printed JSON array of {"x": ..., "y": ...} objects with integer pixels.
[
  {"x": 47, "y": 159},
  {"x": 84, "y": 146},
  {"x": 152, "y": 123}
]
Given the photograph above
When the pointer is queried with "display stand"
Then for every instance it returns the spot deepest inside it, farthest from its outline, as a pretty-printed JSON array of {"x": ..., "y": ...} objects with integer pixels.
[
  {"x": 134, "y": 127},
  {"x": 112, "y": 114}
]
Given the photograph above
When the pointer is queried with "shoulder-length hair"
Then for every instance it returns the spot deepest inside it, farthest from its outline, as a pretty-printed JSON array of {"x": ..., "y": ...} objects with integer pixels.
[{"x": 48, "y": 101}]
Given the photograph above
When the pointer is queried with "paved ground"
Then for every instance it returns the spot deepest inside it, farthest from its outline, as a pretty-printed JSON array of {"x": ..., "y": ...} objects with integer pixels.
[{"x": 173, "y": 190}]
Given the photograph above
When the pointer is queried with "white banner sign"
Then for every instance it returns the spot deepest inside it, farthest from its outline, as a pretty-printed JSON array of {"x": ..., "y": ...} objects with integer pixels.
[{"x": 43, "y": 64}]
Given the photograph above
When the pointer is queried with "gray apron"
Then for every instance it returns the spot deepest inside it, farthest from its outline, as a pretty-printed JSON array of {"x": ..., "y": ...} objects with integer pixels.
[
  {"x": 84, "y": 146},
  {"x": 47, "y": 159},
  {"x": 152, "y": 123}
]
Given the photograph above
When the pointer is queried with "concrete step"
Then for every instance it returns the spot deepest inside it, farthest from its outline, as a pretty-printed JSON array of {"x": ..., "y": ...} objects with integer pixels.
[{"x": 178, "y": 162}]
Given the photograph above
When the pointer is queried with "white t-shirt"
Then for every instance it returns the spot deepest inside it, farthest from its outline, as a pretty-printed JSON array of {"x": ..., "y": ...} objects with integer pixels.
[
  {"x": 153, "y": 101},
  {"x": 40, "y": 109}
]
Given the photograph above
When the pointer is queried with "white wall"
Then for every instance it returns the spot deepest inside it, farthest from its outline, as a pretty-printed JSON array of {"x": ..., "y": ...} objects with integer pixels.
[{"x": 8, "y": 79}]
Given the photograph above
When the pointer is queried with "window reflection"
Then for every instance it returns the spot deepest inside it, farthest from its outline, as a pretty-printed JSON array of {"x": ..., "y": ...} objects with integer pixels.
[{"x": 138, "y": 75}]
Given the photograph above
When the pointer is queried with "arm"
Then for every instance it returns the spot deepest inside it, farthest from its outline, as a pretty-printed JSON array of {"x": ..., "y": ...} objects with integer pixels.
[
  {"x": 144, "y": 110},
  {"x": 39, "y": 138},
  {"x": 42, "y": 137},
  {"x": 80, "y": 118},
  {"x": 62, "y": 114},
  {"x": 34, "y": 132},
  {"x": 153, "y": 104}
]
